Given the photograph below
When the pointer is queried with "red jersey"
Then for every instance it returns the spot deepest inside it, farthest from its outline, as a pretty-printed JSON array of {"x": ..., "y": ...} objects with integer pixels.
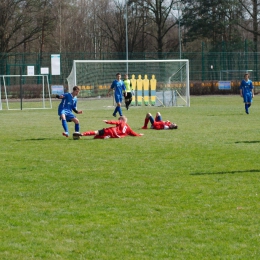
[
  {"x": 121, "y": 129},
  {"x": 158, "y": 125}
]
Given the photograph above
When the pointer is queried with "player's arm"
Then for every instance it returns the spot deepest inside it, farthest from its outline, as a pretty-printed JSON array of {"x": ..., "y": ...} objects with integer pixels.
[
  {"x": 133, "y": 133},
  {"x": 77, "y": 111},
  {"x": 124, "y": 89},
  {"x": 108, "y": 92},
  {"x": 59, "y": 96},
  {"x": 110, "y": 89},
  {"x": 111, "y": 122}
]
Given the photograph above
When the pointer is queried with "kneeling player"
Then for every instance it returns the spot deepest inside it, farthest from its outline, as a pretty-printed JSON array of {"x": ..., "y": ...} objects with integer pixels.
[
  {"x": 157, "y": 123},
  {"x": 121, "y": 129}
]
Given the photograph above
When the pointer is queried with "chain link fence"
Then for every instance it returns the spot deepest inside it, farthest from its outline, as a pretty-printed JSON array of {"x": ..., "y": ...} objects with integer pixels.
[{"x": 204, "y": 66}]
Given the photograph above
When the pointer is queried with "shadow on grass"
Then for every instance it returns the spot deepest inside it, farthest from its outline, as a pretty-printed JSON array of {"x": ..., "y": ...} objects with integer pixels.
[
  {"x": 50, "y": 139},
  {"x": 227, "y": 172},
  {"x": 247, "y": 142}
]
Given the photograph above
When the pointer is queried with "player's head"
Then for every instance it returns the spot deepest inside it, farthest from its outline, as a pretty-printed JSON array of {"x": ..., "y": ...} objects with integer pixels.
[
  {"x": 173, "y": 126},
  {"x": 118, "y": 75},
  {"x": 123, "y": 118},
  {"x": 246, "y": 75},
  {"x": 75, "y": 91},
  {"x": 126, "y": 76}
]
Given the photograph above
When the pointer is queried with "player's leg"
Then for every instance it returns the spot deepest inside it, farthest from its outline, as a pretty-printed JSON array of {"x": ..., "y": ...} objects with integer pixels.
[
  {"x": 64, "y": 125},
  {"x": 130, "y": 98},
  {"x": 247, "y": 101},
  {"x": 117, "y": 99},
  {"x": 118, "y": 109},
  {"x": 148, "y": 118},
  {"x": 90, "y": 133},
  {"x": 158, "y": 117},
  {"x": 76, "y": 121}
]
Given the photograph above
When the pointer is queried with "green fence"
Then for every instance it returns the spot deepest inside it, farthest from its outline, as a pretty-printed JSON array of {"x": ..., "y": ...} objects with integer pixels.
[{"x": 204, "y": 66}]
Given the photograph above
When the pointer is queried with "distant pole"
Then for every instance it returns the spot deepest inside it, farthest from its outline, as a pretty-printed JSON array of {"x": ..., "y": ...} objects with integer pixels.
[
  {"x": 21, "y": 90},
  {"x": 126, "y": 35},
  {"x": 179, "y": 33}
]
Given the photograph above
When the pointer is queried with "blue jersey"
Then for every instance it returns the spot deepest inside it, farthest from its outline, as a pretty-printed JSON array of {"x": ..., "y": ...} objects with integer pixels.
[
  {"x": 67, "y": 104},
  {"x": 246, "y": 87},
  {"x": 118, "y": 87}
]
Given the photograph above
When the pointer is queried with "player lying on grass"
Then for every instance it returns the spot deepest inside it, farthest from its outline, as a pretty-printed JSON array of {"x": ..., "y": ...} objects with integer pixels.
[
  {"x": 67, "y": 104},
  {"x": 157, "y": 123},
  {"x": 121, "y": 129}
]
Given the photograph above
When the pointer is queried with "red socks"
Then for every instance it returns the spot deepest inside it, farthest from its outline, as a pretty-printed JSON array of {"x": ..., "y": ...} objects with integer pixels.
[
  {"x": 89, "y": 133},
  {"x": 146, "y": 121}
]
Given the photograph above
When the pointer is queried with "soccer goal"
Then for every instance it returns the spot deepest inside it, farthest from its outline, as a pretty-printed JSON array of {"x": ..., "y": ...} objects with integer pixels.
[
  {"x": 149, "y": 79},
  {"x": 18, "y": 92}
]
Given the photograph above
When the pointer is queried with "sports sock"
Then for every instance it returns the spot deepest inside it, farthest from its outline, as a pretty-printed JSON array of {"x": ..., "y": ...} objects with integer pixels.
[
  {"x": 246, "y": 108},
  {"x": 88, "y": 133},
  {"x": 115, "y": 111},
  {"x": 249, "y": 105},
  {"x": 120, "y": 111},
  {"x": 146, "y": 121},
  {"x": 65, "y": 125},
  {"x": 76, "y": 127}
]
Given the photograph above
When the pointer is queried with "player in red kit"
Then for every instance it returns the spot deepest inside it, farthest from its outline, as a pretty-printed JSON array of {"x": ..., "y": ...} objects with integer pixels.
[
  {"x": 157, "y": 123},
  {"x": 121, "y": 129}
]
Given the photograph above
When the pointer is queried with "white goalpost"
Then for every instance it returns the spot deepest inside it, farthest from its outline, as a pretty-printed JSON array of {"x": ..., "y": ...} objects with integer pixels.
[
  {"x": 18, "y": 92},
  {"x": 155, "y": 82}
]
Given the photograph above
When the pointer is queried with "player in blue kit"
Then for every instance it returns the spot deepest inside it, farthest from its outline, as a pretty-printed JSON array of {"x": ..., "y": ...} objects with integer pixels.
[
  {"x": 66, "y": 106},
  {"x": 119, "y": 87},
  {"x": 247, "y": 91}
]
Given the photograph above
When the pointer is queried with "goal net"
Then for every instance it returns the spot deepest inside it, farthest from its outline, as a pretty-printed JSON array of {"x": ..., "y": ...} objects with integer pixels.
[
  {"x": 19, "y": 92},
  {"x": 155, "y": 82}
]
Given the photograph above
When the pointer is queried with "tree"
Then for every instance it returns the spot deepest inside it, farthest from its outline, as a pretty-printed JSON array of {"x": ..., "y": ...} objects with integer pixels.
[
  {"x": 210, "y": 20},
  {"x": 21, "y": 22},
  {"x": 159, "y": 14},
  {"x": 248, "y": 12}
]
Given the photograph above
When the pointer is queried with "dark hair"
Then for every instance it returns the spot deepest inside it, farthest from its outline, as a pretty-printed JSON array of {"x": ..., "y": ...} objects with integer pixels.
[
  {"x": 75, "y": 88},
  {"x": 118, "y": 74}
]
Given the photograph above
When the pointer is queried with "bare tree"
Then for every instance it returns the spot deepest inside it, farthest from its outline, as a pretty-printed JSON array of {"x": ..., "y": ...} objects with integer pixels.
[
  {"x": 20, "y": 23},
  {"x": 159, "y": 14},
  {"x": 249, "y": 10}
]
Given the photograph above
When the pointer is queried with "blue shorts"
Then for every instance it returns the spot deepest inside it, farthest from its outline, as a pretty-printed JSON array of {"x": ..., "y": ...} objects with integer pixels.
[
  {"x": 247, "y": 97},
  {"x": 157, "y": 119},
  {"x": 118, "y": 98},
  {"x": 69, "y": 115}
]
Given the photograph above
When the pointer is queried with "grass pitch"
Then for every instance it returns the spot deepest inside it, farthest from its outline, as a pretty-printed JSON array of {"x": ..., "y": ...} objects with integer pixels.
[{"x": 191, "y": 193}]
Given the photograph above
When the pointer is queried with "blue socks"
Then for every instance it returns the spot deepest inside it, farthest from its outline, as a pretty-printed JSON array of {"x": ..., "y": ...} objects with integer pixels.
[
  {"x": 246, "y": 108},
  {"x": 119, "y": 110},
  {"x": 65, "y": 125},
  {"x": 76, "y": 127}
]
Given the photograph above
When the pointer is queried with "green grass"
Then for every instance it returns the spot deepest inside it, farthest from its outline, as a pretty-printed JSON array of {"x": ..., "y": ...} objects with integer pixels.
[{"x": 191, "y": 193}]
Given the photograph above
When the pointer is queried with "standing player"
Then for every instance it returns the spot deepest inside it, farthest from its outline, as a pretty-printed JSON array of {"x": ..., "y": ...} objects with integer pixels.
[
  {"x": 247, "y": 91},
  {"x": 157, "y": 123},
  {"x": 120, "y": 130},
  {"x": 128, "y": 91},
  {"x": 119, "y": 87},
  {"x": 67, "y": 104}
]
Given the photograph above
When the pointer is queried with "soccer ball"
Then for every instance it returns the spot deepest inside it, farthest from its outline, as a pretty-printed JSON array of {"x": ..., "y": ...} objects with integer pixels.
[{"x": 76, "y": 136}]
